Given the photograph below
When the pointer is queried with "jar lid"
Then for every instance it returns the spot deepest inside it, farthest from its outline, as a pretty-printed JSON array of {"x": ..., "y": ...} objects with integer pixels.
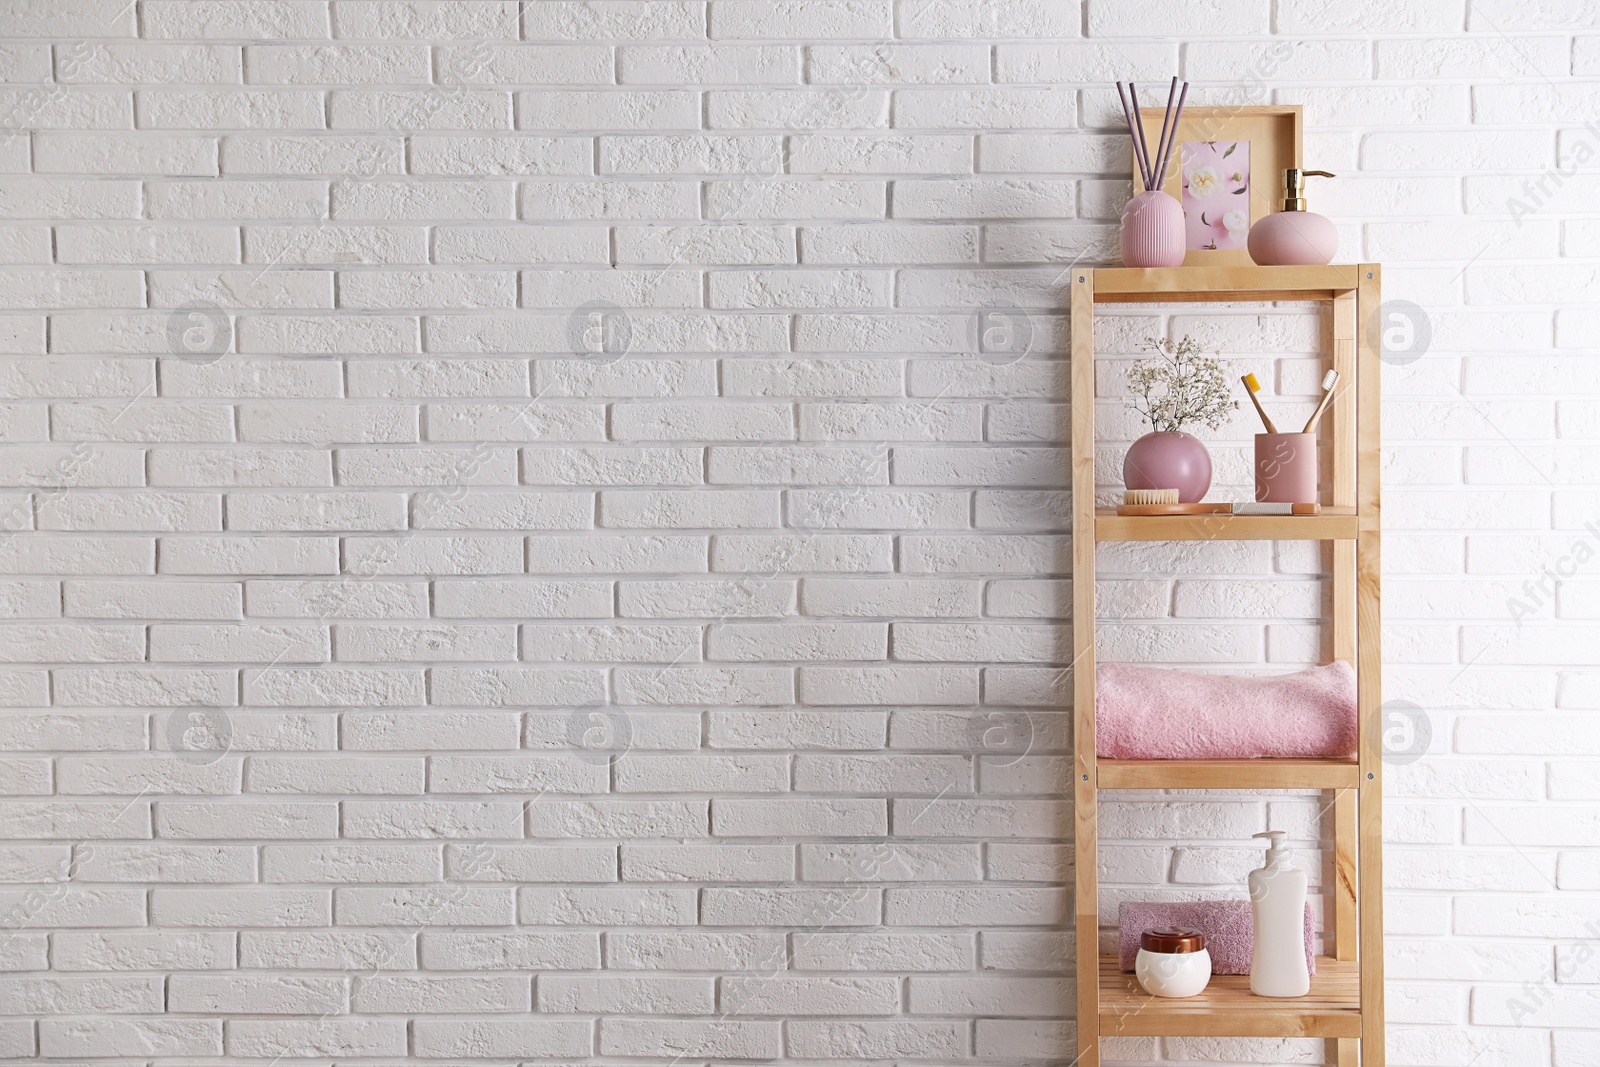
[{"x": 1172, "y": 939}]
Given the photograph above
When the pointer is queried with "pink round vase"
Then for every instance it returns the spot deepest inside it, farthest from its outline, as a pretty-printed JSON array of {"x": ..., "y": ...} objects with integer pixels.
[
  {"x": 1152, "y": 231},
  {"x": 1169, "y": 460}
]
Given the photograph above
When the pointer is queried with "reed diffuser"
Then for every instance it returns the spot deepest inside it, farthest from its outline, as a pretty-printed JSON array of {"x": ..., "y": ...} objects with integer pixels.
[{"x": 1152, "y": 222}]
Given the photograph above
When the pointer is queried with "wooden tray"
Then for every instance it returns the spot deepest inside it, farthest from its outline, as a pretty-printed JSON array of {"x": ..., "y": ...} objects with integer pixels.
[
  {"x": 1203, "y": 509},
  {"x": 1174, "y": 509}
]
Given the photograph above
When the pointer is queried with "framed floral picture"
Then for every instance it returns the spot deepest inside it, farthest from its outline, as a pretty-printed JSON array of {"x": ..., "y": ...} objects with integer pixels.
[{"x": 1227, "y": 172}]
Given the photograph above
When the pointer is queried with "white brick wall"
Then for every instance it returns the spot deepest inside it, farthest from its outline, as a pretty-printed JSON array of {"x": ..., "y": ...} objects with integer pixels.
[{"x": 512, "y": 548}]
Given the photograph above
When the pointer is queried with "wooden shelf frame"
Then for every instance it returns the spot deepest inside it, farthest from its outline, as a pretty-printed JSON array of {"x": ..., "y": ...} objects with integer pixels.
[
  {"x": 1346, "y": 1002},
  {"x": 1227, "y": 1008}
]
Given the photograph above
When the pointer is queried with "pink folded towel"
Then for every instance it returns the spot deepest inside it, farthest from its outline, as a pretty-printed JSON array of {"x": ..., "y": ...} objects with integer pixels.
[
  {"x": 1148, "y": 713},
  {"x": 1227, "y": 924}
]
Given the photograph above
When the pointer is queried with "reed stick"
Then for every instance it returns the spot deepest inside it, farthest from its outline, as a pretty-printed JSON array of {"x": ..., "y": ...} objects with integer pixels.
[
  {"x": 1138, "y": 158},
  {"x": 1133, "y": 90},
  {"x": 1161, "y": 142},
  {"x": 1177, "y": 118}
]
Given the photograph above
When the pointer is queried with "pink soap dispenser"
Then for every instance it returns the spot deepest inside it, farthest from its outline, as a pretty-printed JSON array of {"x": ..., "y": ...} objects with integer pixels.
[{"x": 1294, "y": 236}]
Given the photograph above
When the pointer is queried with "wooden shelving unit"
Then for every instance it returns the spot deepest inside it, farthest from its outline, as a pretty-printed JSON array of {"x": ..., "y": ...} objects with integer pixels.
[{"x": 1345, "y": 1004}]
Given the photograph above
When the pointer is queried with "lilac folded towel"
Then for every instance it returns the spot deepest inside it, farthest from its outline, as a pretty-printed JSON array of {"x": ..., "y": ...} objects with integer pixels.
[
  {"x": 1227, "y": 924},
  {"x": 1148, "y": 713}
]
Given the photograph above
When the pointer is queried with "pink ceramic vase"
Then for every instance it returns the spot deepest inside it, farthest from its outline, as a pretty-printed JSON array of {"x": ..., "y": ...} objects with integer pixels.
[
  {"x": 1169, "y": 459},
  {"x": 1152, "y": 231}
]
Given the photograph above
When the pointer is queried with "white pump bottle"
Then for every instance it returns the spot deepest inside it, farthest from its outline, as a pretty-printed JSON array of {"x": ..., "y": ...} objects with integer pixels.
[{"x": 1278, "y": 898}]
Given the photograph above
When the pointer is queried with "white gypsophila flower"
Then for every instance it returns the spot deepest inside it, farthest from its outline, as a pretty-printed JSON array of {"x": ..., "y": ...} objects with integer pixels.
[{"x": 1181, "y": 386}]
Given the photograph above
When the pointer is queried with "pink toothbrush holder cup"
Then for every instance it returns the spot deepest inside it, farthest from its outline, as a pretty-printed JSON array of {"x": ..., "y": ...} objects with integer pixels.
[{"x": 1286, "y": 468}]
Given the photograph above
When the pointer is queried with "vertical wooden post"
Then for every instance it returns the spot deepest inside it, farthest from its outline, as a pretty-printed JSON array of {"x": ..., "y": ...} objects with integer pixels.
[
  {"x": 1369, "y": 671},
  {"x": 1086, "y": 891},
  {"x": 1346, "y": 829},
  {"x": 1345, "y": 646}
]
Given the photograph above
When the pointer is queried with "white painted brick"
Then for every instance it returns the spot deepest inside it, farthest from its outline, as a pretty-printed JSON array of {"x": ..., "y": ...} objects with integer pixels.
[
  {"x": 540, "y": 863},
  {"x": 617, "y": 818},
  {"x": 676, "y": 65},
  {"x": 333, "y": 775},
  {"x": 452, "y": 950},
  {"x": 343, "y": 863},
  {"x": 701, "y": 685},
  {"x": 736, "y": 1038},
  {"x": 625, "y": 994},
  {"x": 612, "y": 643},
  {"x": 985, "y": 108},
  {"x": 720, "y": 862},
  {"x": 886, "y": 685},
  {"x": 867, "y": 465},
  {"x": 829, "y": 18},
  {"x": 691, "y": 154},
  {"x": 520, "y": 1037},
  {"x": 625, "y": 554},
  {"x": 611, "y": 466},
  {"x": 427, "y": 20},
  {"x": 888, "y": 244},
  {"x": 382, "y": 290},
  {"x": 256, "y": 994},
  {"x": 603, "y": 907},
  {"x": 522, "y": 599},
  {"x": 363, "y": 906},
  {"x": 617, "y": 109},
  {"x": 316, "y": 1037},
  {"x": 628, "y": 378},
  {"x": 441, "y": 994},
  {"x": 688, "y": 510},
  {"x": 693, "y": 950},
  {"x": 888, "y": 597},
  {"x": 777, "y": 198},
  {"x": 501, "y": 686},
  {"x": 810, "y": 995},
  {"x": 796, "y": 109},
  {"x": 531, "y": 421},
  {"x": 1001, "y": 995},
  {"x": 89, "y": 1037},
  {"x": 732, "y": 244},
  {"x": 142, "y": 950},
  {"x": 411, "y": 820},
  {"x": 799, "y": 288}
]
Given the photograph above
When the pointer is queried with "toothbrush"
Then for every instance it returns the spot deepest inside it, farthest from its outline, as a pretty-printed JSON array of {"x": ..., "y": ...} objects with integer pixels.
[
  {"x": 1328, "y": 381},
  {"x": 1252, "y": 386}
]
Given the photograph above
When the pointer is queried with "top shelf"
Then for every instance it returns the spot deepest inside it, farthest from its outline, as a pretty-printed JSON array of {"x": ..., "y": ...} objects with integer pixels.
[{"x": 1133, "y": 285}]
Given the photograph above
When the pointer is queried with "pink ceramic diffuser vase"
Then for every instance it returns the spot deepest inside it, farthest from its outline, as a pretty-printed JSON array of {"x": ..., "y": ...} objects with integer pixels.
[
  {"x": 1152, "y": 231},
  {"x": 1169, "y": 459}
]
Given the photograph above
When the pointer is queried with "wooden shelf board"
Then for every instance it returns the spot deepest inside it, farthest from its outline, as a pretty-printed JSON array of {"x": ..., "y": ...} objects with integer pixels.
[
  {"x": 1119, "y": 285},
  {"x": 1332, "y": 525},
  {"x": 1227, "y": 774},
  {"x": 1227, "y": 1008}
]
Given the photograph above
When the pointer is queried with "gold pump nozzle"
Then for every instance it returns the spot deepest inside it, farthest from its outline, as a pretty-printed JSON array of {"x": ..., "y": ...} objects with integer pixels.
[{"x": 1294, "y": 198}]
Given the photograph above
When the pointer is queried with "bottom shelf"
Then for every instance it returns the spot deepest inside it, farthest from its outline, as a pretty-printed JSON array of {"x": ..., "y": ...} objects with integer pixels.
[{"x": 1227, "y": 1008}]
